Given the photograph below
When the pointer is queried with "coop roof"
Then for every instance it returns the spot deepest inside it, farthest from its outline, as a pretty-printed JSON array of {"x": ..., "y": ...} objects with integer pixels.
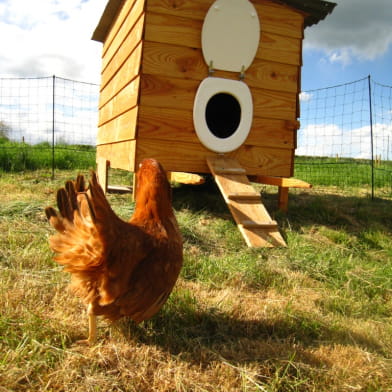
[{"x": 315, "y": 11}]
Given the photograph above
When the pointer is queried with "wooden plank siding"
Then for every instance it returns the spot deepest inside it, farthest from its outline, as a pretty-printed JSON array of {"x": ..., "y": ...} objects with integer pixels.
[
  {"x": 191, "y": 157},
  {"x": 152, "y": 66},
  {"x": 274, "y": 18},
  {"x": 183, "y": 62},
  {"x": 177, "y": 125},
  {"x": 120, "y": 83},
  {"x": 121, "y": 155},
  {"x": 120, "y": 128},
  {"x": 123, "y": 25},
  {"x": 177, "y": 30},
  {"x": 164, "y": 92}
]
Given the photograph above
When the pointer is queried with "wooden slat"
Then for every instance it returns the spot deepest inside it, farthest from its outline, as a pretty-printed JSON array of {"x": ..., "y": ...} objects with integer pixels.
[
  {"x": 127, "y": 57},
  {"x": 173, "y": 30},
  {"x": 185, "y": 32},
  {"x": 261, "y": 225},
  {"x": 185, "y": 178},
  {"x": 117, "y": 23},
  {"x": 245, "y": 196},
  {"x": 157, "y": 91},
  {"x": 174, "y": 61},
  {"x": 279, "y": 19},
  {"x": 190, "y": 157},
  {"x": 275, "y": 133},
  {"x": 178, "y": 156},
  {"x": 279, "y": 48},
  {"x": 169, "y": 124},
  {"x": 120, "y": 128},
  {"x": 177, "y": 125},
  {"x": 274, "y": 104},
  {"x": 230, "y": 170},
  {"x": 264, "y": 160},
  {"x": 120, "y": 103},
  {"x": 273, "y": 17},
  {"x": 186, "y": 9},
  {"x": 283, "y": 182},
  {"x": 125, "y": 74},
  {"x": 273, "y": 76},
  {"x": 121, "y": 29},
  {"x": 179, "y": 62},
  {"x": 121, "y": 155}
]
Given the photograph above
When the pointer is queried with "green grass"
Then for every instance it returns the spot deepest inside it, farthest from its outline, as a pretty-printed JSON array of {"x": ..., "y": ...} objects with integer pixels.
[
  {"x": 345, "y": 172},
  {"x": 315, "y": 316},
  {"x": 15, "y": 156}
]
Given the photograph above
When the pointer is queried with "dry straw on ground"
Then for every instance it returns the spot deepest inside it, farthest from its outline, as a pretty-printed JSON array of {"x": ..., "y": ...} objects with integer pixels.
[{"x": 313, "y": 317}]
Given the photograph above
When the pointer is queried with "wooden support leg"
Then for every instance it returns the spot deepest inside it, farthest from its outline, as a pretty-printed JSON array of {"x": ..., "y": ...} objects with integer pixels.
[
  {"x": 283, "y": 196},
  {"x": 102, "y": 172},
  {"x": 283, "y": 185}
]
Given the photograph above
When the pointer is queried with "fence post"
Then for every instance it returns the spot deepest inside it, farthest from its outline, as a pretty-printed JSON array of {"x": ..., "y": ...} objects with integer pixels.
[
  {"x": 371, "y": 132},
  {"x": 53, "y": 122}
]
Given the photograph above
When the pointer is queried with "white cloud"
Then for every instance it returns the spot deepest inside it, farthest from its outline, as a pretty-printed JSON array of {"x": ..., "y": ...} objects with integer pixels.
[
  {"x": 343, "y": 56},
  {"x": 330, "y": 140},
  {"x": 52, "y": 38},
  {"x": 356, "y": 30},
  {"x": 305, "y": 96}
]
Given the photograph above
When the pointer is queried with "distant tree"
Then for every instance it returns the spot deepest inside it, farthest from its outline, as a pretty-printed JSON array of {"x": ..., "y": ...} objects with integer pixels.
[{"x": 4, "y": 130}]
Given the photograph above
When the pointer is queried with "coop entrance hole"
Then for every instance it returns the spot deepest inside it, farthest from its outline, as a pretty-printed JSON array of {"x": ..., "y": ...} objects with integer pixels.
[{"x": 223, "y": 115}]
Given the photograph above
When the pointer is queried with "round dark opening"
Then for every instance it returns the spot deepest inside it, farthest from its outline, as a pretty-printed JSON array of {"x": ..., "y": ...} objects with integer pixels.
[{"x": 223, "y": 115}]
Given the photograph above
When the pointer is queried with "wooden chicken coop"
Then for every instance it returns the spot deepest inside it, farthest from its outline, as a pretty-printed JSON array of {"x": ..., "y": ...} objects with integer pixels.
[{"x": 206, "y": 86}]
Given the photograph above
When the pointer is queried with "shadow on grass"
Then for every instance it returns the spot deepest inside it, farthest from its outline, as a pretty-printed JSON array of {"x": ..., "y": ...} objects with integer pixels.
[
  {"x": 204, "y": 197},
  {"x": 350, "y": 213},
  {"x": 194, "y": 334}
]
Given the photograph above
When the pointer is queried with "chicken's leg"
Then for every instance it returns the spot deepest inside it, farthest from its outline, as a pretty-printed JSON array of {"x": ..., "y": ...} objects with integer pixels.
[
  {"x": 92, "y": 325},
  {"x": 92, "y": 328}
]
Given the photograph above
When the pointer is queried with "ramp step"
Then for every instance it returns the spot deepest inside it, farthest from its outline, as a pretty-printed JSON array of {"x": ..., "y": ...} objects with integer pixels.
[
  {"x": 229, "y": 170},
  {"x": 244, "y": 196},
  {"x": 261, "y": 225}
]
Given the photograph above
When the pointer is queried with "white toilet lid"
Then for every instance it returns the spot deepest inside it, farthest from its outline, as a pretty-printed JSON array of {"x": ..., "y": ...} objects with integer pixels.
[{"x": 230, "y": 35}]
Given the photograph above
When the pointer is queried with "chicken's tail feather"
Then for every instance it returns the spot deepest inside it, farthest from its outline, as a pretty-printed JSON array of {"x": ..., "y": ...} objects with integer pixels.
[
  {"x": 54, "y": 219},
  {"x": 101, "y": 211}
]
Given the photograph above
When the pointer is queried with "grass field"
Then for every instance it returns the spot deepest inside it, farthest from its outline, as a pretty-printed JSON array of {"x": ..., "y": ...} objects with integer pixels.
[
  {"x": 16, "y": 156},
  {"x": 315, "y": 316},
  {"x": 323, "y": 171},
  {"x": 346, "y": 172}
]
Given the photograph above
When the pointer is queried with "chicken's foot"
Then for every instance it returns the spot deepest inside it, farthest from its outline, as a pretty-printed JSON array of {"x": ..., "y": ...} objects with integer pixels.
[{"x": 92, "y": 328}]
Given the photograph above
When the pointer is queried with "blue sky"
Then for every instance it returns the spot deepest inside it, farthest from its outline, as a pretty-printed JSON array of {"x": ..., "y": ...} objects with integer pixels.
[{"x": 318, "y": 71}]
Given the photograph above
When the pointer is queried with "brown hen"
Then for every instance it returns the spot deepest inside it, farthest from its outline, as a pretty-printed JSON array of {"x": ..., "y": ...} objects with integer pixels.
[{"x": 118, "y": 268}]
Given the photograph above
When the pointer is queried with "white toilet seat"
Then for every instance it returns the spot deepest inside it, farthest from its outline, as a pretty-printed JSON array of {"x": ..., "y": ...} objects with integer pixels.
[
  {"x": 209, "y": 88},
  {"x": 230, "y": 35}
]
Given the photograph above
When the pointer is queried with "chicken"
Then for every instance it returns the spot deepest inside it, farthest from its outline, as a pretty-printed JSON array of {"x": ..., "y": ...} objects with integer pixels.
[{"x": 118, "y": 268}]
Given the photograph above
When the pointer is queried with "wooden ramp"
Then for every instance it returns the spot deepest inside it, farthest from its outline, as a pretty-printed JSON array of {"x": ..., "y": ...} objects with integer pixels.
[{"x": 252, "y": 218}]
